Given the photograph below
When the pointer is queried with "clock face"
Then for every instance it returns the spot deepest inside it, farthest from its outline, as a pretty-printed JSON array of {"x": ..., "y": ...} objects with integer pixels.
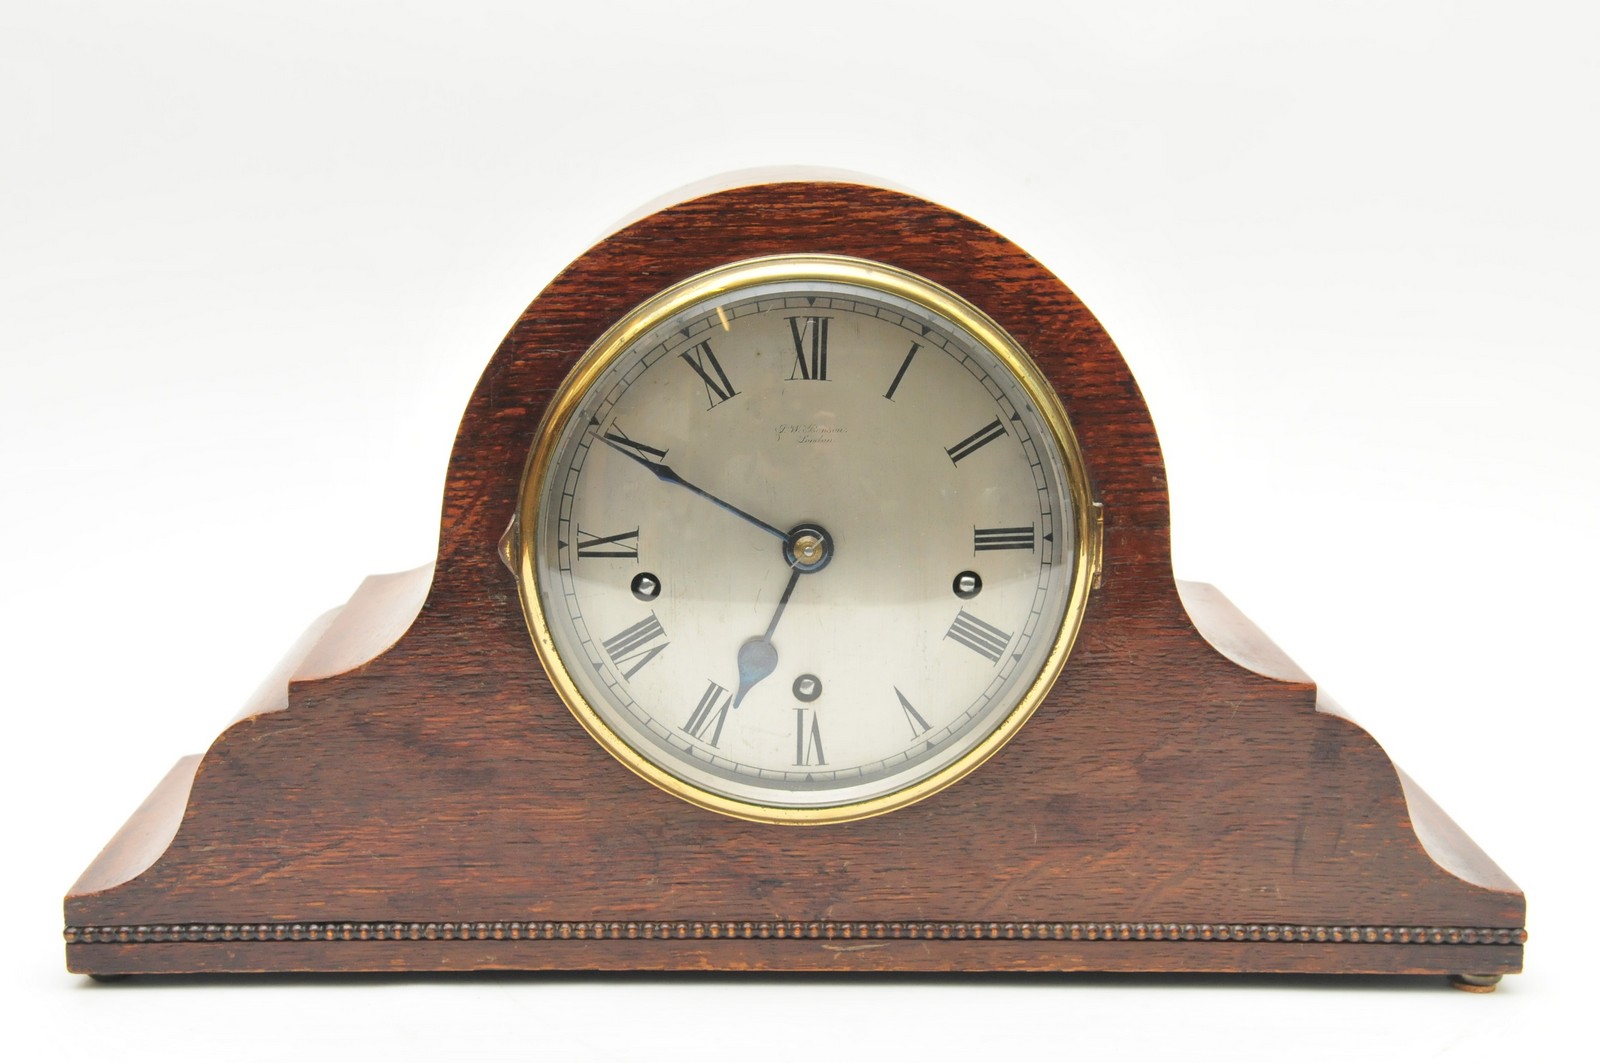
[{"x": 804, "y": 539}]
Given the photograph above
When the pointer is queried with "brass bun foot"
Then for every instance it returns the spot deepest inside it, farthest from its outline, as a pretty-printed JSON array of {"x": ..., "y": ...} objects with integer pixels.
[{"x": 1475, "y": 983}]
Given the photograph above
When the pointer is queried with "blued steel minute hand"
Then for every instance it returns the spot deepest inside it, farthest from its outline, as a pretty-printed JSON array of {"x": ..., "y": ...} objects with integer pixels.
[{"x": 665, "y": 472}]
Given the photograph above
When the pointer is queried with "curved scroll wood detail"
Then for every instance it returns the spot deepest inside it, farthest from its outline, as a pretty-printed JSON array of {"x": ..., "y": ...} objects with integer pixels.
[
  {"x": 410, "y": 762},
  {"x": 1221, "y": 624}
]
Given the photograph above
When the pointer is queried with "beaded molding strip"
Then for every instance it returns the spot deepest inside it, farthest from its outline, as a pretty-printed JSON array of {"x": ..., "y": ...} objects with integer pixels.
[{"x": 722, "y": 929}]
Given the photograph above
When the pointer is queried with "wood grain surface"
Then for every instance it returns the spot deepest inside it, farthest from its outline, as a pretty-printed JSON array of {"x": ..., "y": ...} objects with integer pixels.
[{"x": 1170, "y": 780}]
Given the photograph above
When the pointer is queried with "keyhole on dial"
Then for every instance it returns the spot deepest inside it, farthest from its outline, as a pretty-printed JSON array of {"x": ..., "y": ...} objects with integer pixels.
[
  {"x": 967, "y": 585},
  {"x": 807, "y": 688}
]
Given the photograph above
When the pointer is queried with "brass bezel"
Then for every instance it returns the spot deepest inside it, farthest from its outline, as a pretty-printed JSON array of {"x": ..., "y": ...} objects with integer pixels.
[{"x": 725, "y": 280}]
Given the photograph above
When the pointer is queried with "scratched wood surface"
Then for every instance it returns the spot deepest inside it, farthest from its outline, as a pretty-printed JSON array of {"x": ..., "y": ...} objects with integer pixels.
[{"x": 1167, "y": 782}]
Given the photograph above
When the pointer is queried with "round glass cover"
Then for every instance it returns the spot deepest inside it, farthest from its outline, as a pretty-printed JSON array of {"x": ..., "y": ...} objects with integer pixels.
[{"x": 804, "y": 538}]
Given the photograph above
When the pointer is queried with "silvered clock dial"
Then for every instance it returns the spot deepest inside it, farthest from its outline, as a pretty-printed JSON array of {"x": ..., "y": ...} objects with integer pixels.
[{"x": 804, "y": 539}]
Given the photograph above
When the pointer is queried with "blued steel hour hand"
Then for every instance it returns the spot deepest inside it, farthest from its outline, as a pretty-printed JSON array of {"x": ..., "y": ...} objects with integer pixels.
[
  {"x": 758, "y": 657},
  {"x": 807, "y": 548}
]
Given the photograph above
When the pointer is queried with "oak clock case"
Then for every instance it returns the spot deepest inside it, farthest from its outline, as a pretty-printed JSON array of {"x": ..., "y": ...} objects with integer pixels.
[
  {"x": 979, "y": 724},
  {"x": 909, "y": 596}
]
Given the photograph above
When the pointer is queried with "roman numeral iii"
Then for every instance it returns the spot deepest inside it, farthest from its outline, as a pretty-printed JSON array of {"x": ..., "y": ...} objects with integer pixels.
[{"x": 1002, "y": 538}]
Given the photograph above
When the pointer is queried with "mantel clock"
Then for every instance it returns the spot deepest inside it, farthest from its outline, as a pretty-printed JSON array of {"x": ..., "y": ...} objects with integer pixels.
[{"x": 803, "y": 602}]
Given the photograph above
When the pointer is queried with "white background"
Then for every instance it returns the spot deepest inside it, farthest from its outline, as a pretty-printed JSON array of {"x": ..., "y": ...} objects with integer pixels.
[{"x": 253, "y": 257}]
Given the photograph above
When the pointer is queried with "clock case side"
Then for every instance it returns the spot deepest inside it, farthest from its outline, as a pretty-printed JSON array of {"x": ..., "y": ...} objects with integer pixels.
[{"x": 1171, "y": 806}]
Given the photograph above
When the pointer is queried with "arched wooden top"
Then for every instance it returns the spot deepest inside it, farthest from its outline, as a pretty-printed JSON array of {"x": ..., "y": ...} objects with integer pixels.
[{"x": 810, "y": 216}]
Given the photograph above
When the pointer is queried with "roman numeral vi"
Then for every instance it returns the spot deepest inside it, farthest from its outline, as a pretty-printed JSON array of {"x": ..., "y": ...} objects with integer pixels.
[{"x": 807, "y": 747}]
